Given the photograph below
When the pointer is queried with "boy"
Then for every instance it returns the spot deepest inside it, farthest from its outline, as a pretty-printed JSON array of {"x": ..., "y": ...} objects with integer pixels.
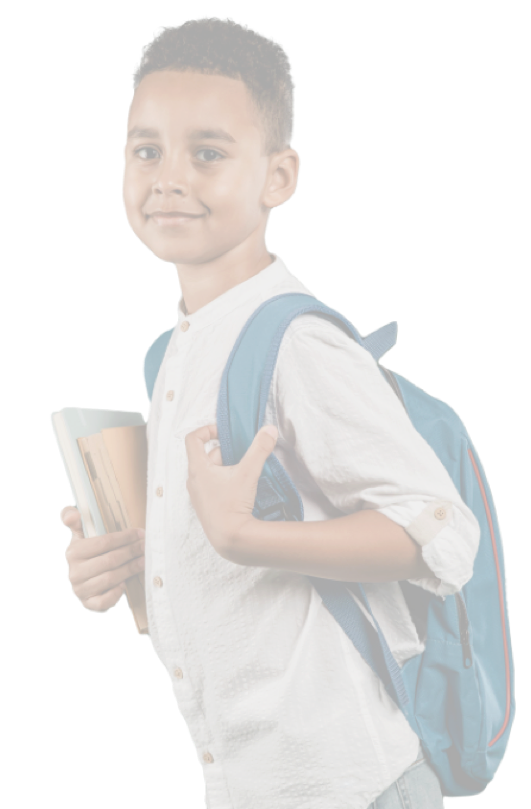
[{"x": 283, "y": 711}]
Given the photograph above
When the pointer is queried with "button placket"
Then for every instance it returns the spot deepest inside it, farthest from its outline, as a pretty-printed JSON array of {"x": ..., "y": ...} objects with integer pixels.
[{"x": 208, "y": 758}]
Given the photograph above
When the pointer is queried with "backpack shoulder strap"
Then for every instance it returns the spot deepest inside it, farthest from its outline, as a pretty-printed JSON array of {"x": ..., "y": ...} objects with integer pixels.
[
  {"x": 154, "y": 359},
  {"x": 243, "y": 395},
  {"x": 377, "y": 343},
  {"x": 249, "y": 370}
]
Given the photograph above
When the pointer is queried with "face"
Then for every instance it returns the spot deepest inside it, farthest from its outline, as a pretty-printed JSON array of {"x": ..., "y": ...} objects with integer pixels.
[{"x": 195, "y": 177}]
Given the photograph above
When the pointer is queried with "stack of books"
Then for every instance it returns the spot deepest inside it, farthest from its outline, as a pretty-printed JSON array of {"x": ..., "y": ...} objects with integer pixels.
[{"x": 105, "y": 456}]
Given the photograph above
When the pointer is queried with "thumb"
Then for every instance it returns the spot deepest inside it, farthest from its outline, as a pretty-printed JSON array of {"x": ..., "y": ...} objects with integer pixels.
[
  {"x": 263, "y": 444},
  {"x": 270, "y": 430},
  {"x": 72, "y": 518}
]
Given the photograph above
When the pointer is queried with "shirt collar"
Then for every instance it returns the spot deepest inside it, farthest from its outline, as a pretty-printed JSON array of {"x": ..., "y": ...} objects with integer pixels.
[{"x": 259, "y": 284}]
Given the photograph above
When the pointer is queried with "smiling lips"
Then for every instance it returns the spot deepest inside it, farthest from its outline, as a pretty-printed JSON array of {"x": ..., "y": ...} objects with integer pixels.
[
  {"x": 172, "y": 218},
  {"x": 175, "y": 213}
]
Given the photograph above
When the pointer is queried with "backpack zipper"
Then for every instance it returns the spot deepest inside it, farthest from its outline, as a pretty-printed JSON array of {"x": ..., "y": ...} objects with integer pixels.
[{"x": 462, "y": 617}]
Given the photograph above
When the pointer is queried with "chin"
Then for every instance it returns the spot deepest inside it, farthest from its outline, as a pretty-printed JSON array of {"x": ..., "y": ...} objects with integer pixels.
[
  {"x": 164, "y": 249},
  {"x": 180, "y": 255}
]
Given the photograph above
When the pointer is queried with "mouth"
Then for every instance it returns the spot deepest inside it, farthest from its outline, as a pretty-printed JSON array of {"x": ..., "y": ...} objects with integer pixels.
[{"x": 172, "y": 218}]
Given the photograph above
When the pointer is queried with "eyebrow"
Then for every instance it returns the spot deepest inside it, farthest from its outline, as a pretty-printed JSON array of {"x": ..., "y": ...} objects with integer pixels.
[{"x": 196, "y": 134}]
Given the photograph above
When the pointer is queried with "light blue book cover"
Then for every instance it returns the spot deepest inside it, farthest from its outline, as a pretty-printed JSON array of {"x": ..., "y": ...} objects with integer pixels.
[{"x": 70, "y": 424}]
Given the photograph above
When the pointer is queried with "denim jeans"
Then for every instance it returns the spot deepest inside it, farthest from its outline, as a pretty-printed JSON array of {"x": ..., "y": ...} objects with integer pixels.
[{"x": 417, "y": 788}]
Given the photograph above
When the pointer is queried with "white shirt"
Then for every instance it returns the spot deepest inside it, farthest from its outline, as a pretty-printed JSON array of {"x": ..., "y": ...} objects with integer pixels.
[{"x": 283, "y": 711}]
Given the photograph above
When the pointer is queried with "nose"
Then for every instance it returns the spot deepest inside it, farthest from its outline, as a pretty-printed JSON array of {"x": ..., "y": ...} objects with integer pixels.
[{"x": 171, "y": 176}]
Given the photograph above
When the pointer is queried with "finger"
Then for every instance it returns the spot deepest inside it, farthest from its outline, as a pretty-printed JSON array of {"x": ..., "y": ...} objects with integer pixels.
[
  {"x": 68, "y": 508},
  {"x": 202, "y": 435},
  {"x": 215, "y": 456},
  {"x": 271, "y": 431},
  {"x": 95, "y": 547},
  {"x": 107, "y": 581},
  {"x": 72, "y": 518},
  {"x": 107, "y": 600},
  {"x": 83, "y": 570},
  {"x": 263, "y": 443},
  {"x": 196, "y": 440}
]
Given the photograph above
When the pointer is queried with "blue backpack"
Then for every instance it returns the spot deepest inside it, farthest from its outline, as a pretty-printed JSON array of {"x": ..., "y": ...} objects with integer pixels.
[{"x": 458, "y": 695}]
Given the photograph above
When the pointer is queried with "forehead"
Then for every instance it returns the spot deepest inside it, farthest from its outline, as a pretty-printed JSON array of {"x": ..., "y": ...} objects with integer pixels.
[{"x": 178, "y": 101}]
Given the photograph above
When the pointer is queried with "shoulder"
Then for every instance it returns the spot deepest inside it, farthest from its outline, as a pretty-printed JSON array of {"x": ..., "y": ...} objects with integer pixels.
[{"x": 312, "y": 333}]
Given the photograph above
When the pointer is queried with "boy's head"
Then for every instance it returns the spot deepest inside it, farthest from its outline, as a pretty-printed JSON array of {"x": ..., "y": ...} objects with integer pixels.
[{"x": 208, "y": 138}]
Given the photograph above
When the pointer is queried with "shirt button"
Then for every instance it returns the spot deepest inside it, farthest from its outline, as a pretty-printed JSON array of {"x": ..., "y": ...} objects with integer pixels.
[
  {"x": 169, "y": 396},
  {"x": 185, "y": 325},
  {"x": 178, "y": 673},
  {"x": 208, "y": 758},
  {"x": 157, "y": 581},
  {"x": 159, "y": 491},
  {"x": 440, "y": 513}
]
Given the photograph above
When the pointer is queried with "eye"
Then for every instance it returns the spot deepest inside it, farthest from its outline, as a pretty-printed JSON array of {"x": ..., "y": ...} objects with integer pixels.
[
  {"x": 213, "y": 152},
  {"x": 150, "y": 149},
  {"x": 144, "y": 149}
]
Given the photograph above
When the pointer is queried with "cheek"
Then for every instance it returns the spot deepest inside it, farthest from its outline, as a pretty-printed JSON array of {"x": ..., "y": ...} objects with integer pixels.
[
  {"x": 133, "y": 194},
  {"x": 133, "y": 211},
  {"x": 133, "y": 218},
  {"x": 128, "y": 197}
]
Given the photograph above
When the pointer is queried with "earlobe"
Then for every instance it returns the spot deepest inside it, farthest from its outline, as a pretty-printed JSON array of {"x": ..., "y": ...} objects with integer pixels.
[{"x": 282, "y": 178}]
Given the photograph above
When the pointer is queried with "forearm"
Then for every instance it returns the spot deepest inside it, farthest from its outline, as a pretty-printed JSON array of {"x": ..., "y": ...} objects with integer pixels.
[{"x": 365, "y": 546}]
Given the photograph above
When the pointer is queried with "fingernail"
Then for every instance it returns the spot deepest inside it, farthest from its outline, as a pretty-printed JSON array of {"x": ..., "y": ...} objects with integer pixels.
[
  {"x": 141, "y": 533},
  {"x": 271, "y": 430}
]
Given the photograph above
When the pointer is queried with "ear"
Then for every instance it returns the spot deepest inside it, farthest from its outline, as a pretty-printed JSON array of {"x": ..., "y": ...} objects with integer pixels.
[{"x": 281, "y": 180}]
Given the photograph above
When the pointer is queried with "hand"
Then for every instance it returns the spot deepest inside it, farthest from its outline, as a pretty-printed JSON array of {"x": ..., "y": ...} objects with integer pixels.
[
  {"x": 223, "y": 496},
  {"x": 99, "y": 566}
]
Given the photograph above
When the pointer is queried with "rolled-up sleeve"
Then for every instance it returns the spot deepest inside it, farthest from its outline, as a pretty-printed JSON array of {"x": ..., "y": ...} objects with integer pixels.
[{"x": 349, "y": 430}]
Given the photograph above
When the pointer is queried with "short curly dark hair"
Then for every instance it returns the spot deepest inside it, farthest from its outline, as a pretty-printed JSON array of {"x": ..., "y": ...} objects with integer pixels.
[{"x": 224, "y": 48}]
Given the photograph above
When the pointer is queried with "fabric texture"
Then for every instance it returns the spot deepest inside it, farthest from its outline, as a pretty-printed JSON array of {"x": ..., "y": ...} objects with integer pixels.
[
  {"x": 417, "y": 788},
  {"x": 282, "y": 709}
]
